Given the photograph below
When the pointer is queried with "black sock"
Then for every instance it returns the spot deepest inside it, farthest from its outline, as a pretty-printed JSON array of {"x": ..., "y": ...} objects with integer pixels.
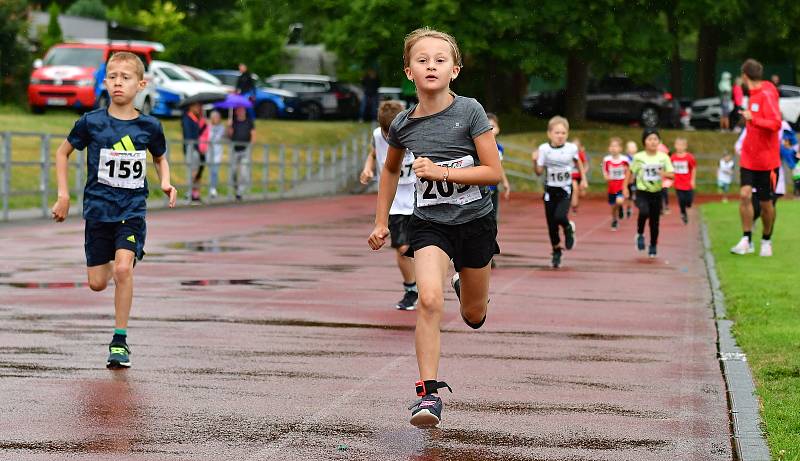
[
  {"x": 749, "y": 236},
  {"x": 119, "y": 339},
  {"x": 410, "y": 286},
  {"x": 766, "y": 236}
]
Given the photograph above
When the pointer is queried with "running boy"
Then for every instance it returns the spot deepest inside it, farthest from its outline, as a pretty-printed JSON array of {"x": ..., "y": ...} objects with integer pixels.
[
  {"x": 649, "y": 169},
  {"x": 455, "y": 153},
  {"x": 685, "y": 167},
  {"x": 403, "y": 204},
  {"x": 495, "y": 123},
  {"x": 114, "y": 203},
  {"x": 557, "y": 157},
  {"x": 615, "y": 167}
]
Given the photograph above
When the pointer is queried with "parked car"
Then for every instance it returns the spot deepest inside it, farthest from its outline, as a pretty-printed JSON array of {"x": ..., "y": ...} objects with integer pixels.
[
  {"x": 612, "y": 98},
  {"x": 72, "y": 74},
  {"x": 706, "y": 112},
  {"x": 320, "y": 95},
  {"x": 200, "y": 75},
  {"x": 174, "y": 84},
  {"x": 270, "y": 102}
]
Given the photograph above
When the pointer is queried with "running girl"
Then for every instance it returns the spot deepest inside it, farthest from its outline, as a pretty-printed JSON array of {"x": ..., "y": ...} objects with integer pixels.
[{"x": 615, "y": 167}]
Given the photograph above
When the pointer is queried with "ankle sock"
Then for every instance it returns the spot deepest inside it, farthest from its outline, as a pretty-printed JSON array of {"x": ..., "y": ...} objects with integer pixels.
[
  {"x": 120, "y": 336},
  {"x": 749, "y": 236},
  {"x": 410, "y": 286},
  {"x": 766, "y": 237}
]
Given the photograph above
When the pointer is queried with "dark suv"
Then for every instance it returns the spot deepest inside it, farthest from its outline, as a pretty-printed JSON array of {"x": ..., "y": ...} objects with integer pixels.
[
  {"x": 612, "y": 98},
  {"x": 320, "y": 95}
]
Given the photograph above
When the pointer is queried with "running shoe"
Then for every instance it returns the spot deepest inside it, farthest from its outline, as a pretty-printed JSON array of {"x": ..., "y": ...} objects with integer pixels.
[
  {"x": 651, "y": 252},
  {"x": 614, "y": 225},
  {"x": 640, "y": 242},
  {"x": 119, "y": 356},
  {"x": 409, "y": 301},
  {"x": 455, "y": 282},
  {"x": 569, "y": 235},
  {"x": 685, "y": 218},
  {"x": 427, "y": 411},
  {"x": 743, "y": 247},
  {"x": 766, "y": 248},
  {"x": 556, "y": 262}
]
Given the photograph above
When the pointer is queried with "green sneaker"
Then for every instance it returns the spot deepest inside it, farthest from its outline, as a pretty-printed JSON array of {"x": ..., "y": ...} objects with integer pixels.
[{"x": 119, "y": 356}]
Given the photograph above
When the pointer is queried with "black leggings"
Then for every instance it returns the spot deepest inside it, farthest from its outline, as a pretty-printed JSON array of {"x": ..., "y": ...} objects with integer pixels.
[
  {"x": 556, "y": 207},
  {"x": 685, "y": 199},
  {"x": 649, "y": 204}
]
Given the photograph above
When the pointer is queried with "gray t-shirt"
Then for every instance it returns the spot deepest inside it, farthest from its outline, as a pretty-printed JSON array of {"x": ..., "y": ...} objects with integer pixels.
[{"x": 447, "y": 137}]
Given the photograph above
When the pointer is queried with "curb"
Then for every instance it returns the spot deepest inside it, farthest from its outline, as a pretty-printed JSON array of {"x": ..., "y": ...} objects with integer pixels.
[{"x": 748, "y": 441}]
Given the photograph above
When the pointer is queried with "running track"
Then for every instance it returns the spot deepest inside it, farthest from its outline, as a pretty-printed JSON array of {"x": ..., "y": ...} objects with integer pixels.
[{"x": 266, "y": 332}]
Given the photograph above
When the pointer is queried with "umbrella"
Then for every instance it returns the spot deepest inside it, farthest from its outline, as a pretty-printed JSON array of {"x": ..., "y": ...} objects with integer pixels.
[
  {"x": 202, "y": 98},
  {"x": 232, "y": 101}
]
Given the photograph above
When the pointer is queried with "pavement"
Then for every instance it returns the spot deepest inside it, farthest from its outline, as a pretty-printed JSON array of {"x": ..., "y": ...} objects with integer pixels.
[{"x": 266, "y": 331}]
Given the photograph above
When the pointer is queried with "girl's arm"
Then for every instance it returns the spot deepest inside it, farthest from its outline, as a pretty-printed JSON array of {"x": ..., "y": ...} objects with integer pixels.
[
  {"x": 628, "y": 176},
  {"x": 60, "y": 209},
  {"x": 538, "y": 169},
  {"x": 162, "y": 168},
  {"x": 488, "y": 173},
  {"x": 386, "y": 192}
]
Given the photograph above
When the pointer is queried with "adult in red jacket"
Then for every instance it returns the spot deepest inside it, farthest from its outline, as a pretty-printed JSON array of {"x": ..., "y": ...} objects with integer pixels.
[{"x": 760, "y": 156}]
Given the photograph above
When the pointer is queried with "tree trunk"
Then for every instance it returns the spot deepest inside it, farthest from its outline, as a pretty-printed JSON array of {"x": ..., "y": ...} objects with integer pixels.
[
  {"x": 707, "y": 45},
  {"x": 676, "y": 75},
  {"x": 577, "y": 82}
]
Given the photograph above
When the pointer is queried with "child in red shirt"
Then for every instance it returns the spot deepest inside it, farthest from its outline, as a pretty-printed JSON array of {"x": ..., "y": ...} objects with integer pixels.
[
  {"x": 685, "y": 173},
  {"x": 615, "y": 166}
]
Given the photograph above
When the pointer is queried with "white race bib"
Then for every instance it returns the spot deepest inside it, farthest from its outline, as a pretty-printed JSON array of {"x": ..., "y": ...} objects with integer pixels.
[
  {"x": 681, "y": 167},
  {"x": 407, "y": 175},
  {"x": 616, "y": 173},
  {"x": 559, "y": 176},
  {"x": 123, "y": 169},
  {"x": 439, "y": 192},
  {"x": 651, "y": 172}
]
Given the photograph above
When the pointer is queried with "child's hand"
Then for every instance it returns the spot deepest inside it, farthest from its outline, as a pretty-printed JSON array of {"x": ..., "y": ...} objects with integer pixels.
[
  {"x": 506, "y": 190},
  {"x": 535, "y": 156},
  {"x": 61, "y": 209},
  {"x": 366, "y": 176},
  {"x": 584, "y": 183},
  {"x": 626, "y": 193},
  {"x": 171, "y": 192},
  {"x": 425, "y": 169},
  {"x": 378, "y": 237}
]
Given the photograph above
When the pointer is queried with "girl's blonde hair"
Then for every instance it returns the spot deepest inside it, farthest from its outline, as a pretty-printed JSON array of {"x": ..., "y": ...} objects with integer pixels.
[
  {"x": 557, "y": 120},
  {"x": 425, "y": 32}
]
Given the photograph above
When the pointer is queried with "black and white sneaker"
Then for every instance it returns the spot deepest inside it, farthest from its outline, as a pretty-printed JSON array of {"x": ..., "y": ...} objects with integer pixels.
[
  {"x": 455, "y": 282},
  {"x": 614, "y": 225},
  {"x": 640, "y": 242},
  {"x": 685, "y": 218},
  {"x": 409, "y": 301},
  {"x": 652, "y": 252},
  {"x": 569, "y": 235},
  {"x": 556, "y": 262},
  {"x": 427, "y": 411}
]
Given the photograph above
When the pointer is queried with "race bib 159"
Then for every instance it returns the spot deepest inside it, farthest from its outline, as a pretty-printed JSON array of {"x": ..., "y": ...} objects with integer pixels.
[
  {"x": 439, "y": 192},
  {"x": 123, "y": 169}
]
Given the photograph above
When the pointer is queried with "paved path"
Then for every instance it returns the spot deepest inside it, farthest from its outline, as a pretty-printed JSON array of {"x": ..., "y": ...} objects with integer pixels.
[{"x": 265, "y": 332}]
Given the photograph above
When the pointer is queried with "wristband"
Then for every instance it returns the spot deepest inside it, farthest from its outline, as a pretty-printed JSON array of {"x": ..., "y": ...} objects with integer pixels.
[{"x": 446, "y": 173}]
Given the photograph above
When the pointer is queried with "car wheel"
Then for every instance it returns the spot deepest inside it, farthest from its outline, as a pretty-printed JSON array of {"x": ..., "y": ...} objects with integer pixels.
[
  {"x": 313, "y": 111},
  {"x": 103, "y": 101},
  {"x": 37, "y": 109},
  {"x": 649, "y": 117},
  {"x": 267, "y": 109},
  {"x": 147, "y": 106}
]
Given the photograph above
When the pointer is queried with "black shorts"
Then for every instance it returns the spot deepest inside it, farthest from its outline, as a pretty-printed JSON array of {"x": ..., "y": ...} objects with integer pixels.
[
  {"x": 103, "y": 239},
  {"x": 398, "y": 229},
  {"x": 764, "y": 181},
  {"x": 612, "y": 198},
  {"x": 472, "y": 244}
]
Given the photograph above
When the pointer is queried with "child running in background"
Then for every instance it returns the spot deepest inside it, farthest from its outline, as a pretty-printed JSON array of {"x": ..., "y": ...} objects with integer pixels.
[
  {"x": 115, "y": 197},
  {"x": 685, "y": 167},
  {"x": 495, "y": 123},
  {"x": 615, "y": 168},
  {"x": 630, "y": 150},
  {"x": 579, "y": 180},
  {"x": 455, "y": 153},
  {"x": 556, "y": 158},
  {"x": 649, "y": 169},
  {"x": 403, "y": 203},
  {"x": 725, "y": 175}
]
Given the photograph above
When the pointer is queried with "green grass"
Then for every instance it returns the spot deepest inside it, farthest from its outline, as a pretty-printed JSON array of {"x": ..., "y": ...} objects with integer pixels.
[{"x": 762, "y": 298}]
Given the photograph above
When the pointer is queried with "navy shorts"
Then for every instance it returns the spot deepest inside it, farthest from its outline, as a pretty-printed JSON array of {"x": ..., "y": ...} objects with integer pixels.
[
  {"x": 472, "y": 244},
  {"x": 398, "y": 229},
  {"x": 612, "y": 198},
  {"x": 103, "y": 239}
]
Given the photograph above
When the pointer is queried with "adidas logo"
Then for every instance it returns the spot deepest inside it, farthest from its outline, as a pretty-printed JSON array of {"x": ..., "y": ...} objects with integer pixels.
[{"x": 131, "y": 239}]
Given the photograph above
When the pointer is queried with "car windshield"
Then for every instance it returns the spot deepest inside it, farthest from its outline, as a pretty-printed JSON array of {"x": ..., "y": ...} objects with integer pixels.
[
  {"x": 201, "y": 76},
  {"x": 175, "y": 74},
  {"x": 81, "y": 57}
]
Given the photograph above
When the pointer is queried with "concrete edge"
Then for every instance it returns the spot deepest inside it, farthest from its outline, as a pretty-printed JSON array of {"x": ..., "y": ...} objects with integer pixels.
[{"x": 748, "y": 440}]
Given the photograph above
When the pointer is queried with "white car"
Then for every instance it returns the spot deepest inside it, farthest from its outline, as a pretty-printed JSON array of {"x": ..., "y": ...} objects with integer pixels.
[
  {"x": 790, "y": 104},
  {"x": 174, "y": 84},
  {"x": 707, "y": 112},
  {"x": 202, "y": 76}
]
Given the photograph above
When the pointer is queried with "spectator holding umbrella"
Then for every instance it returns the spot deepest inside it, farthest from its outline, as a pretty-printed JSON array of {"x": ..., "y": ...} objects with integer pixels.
[
  {"x": 194, "y": 130},
  {"x": 242, "y": 131}
]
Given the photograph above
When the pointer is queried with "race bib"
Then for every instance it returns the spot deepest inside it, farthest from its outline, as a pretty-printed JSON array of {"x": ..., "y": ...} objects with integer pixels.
[
  {"x": 123, "y": 169},
  {"x": 407, "y": 175},
  {"x": 651, "y": 172},
  {"x": 616, "y": 173},
  {"x": 681, "y": 167},
  {"x": 559, "y": 177},
  {"x": 439, "y": 192}
]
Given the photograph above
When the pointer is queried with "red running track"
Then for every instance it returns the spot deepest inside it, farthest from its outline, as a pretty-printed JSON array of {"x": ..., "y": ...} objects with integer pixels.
[{"x": 267, "y": 332}]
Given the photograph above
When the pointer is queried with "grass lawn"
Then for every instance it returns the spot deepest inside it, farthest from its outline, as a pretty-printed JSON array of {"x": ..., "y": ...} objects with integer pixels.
[{"x": 762, "y": 298}]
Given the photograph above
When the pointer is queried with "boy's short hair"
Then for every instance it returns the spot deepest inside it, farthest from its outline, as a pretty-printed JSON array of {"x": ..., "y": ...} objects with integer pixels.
[
  {"x": 557, "y": 120},
  {"x": 648, "y": 131},
  {"x": 491, "y": 116},
  {"x": 130, "y": 57},
  {"x": 615, "y": 139},
  {"x": 424, "y": 32},
  {"x": 682, "y": 138},
  {"x": 753, "y": 69},
  {"x": 387, "y": 111}
]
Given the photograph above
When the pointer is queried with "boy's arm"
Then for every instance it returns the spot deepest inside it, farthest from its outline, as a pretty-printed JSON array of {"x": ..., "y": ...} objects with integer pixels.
[
  {"x": 162, "y": 169},
  {"x": 582, "y": 169},
  {"x": 60, "y": 209},
  {"x": 488, "y": 173},
  {"x": 386, "y": 192},
  {"x": 367, "y": 173},
  {"x": 506, "y": 184}
]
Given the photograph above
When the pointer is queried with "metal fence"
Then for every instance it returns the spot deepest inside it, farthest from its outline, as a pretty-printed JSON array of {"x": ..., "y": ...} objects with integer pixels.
[{"x": 263, "y": 171}]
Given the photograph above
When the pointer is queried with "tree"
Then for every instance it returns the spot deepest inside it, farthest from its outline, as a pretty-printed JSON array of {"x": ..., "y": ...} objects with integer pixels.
[
  {"x": 88, "y": 9},
  {"x": 14, "y": 55},
  {"x": 53, "y": 34}
]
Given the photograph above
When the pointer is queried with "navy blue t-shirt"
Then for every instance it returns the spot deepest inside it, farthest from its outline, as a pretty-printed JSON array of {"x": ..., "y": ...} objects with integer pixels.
[{"x": 98, "y": 130}]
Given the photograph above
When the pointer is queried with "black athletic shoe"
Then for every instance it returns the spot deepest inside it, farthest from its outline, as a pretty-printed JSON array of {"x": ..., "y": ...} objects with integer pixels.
[
  {"x": 640, "y": 242},
  {"x": 569, "y": 235},
  {"x": 621, "y": 213},
  {"x": 685, "y": 218},
  {"x": 556, "y": 258},
  {"x": 427, "y": 411},
  {"x": 119, "y": 356},
  {"x": 614, "y": 225},
  {"x": 651, "y": 252},
  {"x": 409, "y": 301}
]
